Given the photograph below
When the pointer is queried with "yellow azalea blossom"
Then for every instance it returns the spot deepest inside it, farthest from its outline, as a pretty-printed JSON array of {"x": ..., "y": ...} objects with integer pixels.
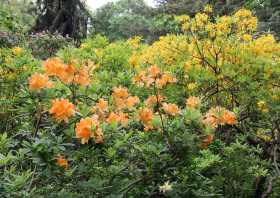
[
  {"x": 191, "y": 86},
  {"x": 17, "y": 51},
  {"x": 262, "y": 106}
]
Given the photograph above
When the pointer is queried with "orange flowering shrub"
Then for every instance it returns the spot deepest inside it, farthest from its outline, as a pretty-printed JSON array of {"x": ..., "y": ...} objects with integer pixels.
[
  {"x": 145, "y": 115},
  {"x": 120, "y": 117},
  {"x": 131, "y": 101},
  {"x": 87, "y": 128},
  {"x": 62, "y": 109},
  {"x": 193, "y": 102},
  {"x": 68, "y": 73},
  {"x": 53, "y": 67},
  {"x": 153, "y": 76},
  {"x": 122, "y": 98},
  {"x": 100, "y": 108},
  {"x": 171, "y": 109},
  {"x": 219, "y": 116},
  {"x": 39, "y": 81},
  {"x": 153, "y": 100},
  {"x": 62, "y": 162}
]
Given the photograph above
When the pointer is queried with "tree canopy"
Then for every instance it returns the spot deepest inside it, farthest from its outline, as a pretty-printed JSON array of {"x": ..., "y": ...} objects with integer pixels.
[{"x": 67, "y": 17}]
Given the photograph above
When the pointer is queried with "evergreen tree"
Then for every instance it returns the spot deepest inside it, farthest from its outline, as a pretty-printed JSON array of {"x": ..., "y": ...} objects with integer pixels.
[{"x": 67, "y": 17}]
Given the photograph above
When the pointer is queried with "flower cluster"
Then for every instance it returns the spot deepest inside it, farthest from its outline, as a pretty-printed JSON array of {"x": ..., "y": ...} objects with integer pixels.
[
  {"x": 153, "y": 76},
  {"x": 193, "y": 102},
  {"x": 145, "y": 115},
  {"x": 165, "y": 50},
  {"x": 67, "y": 73},
  {"x": 123, "y": 100},
  {"x": 87, "y": 128},
  {"x": 39, "y": 81},
  {"x": 170, "y": 109},
  {"x": 62, "y": 109},
  {"x": 219, "y": 116}
]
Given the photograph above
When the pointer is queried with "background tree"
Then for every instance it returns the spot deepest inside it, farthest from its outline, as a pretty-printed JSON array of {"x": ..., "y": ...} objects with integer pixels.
[
  {"x": 67, "y": 17},
  {"x": 129, "y": 18}
]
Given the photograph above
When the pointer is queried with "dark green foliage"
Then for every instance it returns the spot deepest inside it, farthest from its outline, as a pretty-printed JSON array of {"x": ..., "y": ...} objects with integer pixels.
[
  {"x": 67, "y": 17},
  {"x": 126, "y": 18}
]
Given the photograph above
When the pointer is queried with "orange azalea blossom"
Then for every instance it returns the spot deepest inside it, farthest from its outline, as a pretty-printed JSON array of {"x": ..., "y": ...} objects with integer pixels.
[
  {"x": 171, "y": 109},
  {"x": 210, "y": 120},
  {"x": 39, "y": 81},
  {"x": 228, "y": 117},
  {"x": 160, "y": 83},
  {"x": 164, "y": 80},
  {"x": 62, "y": 109},
  {"x": 102, "y": 105},
  {"x": 120, "y": 103},
  {"x": 219, "y": 116},
  {"x": 145, "y": 115},
  {"x": 87, "y": 128},
  {"x": 122, "y": 99},
  {"x": 206, "y": 141},
  {"x": 62, "y": 162},
  {"x": 154, "y": 71},
  {"x": 118, "y": 118},
  {"x": 193, "y": 102},
  {"x": 98, "y": 136},
  {"x": 152, "y": 76},
  {"x": 123, "y": 119},
  {"x": 100, "y": 108},
  {"x": 132, "y": 101},
  {"x": 82, "y": 76},
  {"x": 153, "y": 100},
  {"x": 53, "y": 67},
  {"x": 140, "y": 78},
  {"x": 120, "y": 92},
  {"x": 169, "y": 78},
  {"x": 112, "y": 118},
  {"x": 67, "y": 74},
  {"x": 212, "y": 117}
]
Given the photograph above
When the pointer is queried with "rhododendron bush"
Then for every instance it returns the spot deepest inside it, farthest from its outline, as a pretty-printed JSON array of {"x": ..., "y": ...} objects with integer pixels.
[{"x": 190, "y": 115}]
